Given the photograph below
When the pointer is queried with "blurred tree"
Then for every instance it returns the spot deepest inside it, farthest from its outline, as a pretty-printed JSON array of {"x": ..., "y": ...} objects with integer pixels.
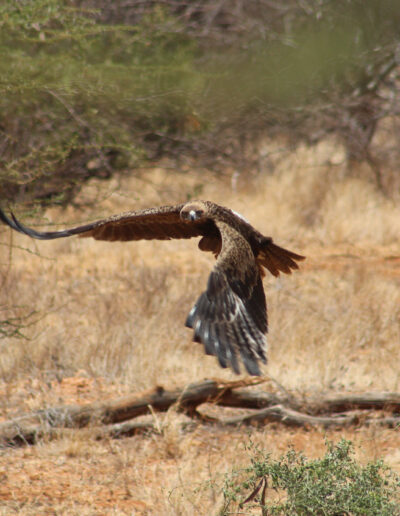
[{"x": 89, "y": 86}]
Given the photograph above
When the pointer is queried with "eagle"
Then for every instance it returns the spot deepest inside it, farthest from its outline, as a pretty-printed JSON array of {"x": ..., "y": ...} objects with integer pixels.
[{"x": 230, "y": 316}]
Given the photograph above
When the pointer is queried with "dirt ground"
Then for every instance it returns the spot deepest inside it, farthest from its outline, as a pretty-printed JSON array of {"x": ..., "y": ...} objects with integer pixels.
[{"x": 171, "y": 472}]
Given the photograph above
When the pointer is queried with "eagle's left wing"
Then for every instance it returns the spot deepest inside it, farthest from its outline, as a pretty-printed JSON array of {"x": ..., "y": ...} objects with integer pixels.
[
  {"x": 161, "y": 223},
  {"x": 230, "y": 317}
]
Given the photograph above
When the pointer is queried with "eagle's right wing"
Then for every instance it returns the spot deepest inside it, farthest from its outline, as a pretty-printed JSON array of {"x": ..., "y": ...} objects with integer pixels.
[
  {"x": 162, "y": 223},
  {"x": 230, "y": 317}
]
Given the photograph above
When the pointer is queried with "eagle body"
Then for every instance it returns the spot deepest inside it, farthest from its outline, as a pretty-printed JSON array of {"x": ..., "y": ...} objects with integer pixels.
[{"x": 230, "y": 316}]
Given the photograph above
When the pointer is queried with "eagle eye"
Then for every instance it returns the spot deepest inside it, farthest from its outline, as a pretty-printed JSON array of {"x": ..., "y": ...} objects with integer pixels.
[{"x": 192, "y": 213}]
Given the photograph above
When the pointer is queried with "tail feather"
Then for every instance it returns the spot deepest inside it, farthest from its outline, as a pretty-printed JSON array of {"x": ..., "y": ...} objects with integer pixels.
[{"x": 277, "y": 259}]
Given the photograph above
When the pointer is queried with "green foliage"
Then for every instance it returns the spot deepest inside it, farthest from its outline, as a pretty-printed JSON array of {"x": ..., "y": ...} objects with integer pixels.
[
  {"x": 77, "y": 96},
  {"x": 90, "y": 87},
  {"x": 333, "y": 485}
]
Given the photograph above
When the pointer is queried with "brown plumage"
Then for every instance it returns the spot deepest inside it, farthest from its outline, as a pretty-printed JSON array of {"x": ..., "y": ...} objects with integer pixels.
[{"x": 230, "y": 317}]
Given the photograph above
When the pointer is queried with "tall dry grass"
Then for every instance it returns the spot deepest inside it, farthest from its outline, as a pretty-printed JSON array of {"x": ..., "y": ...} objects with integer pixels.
[{"x": 116, "y": 312}]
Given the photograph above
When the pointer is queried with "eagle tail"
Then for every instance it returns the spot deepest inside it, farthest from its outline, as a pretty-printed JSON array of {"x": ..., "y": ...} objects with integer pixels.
[{"x": 277, "y": 259}]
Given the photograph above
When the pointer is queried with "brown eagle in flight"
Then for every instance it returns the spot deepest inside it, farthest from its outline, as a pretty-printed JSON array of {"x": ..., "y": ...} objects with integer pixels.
[{"x": 230, "y": 317}]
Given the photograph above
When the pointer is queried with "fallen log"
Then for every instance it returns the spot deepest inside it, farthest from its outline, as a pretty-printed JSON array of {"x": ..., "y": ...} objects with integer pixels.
[
  {"x": 283, "y": 408},
  {"x": 28, "y": 428}
]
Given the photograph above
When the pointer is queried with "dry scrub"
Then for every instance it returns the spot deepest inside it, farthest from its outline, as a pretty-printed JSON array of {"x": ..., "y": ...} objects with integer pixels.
[{"x": 109, "y": 317}]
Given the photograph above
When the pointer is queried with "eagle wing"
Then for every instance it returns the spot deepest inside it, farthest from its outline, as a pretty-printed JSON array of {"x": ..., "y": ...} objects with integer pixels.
[
  {"x": 162, "y": 223},
  {"x": 230, "y": 317}
]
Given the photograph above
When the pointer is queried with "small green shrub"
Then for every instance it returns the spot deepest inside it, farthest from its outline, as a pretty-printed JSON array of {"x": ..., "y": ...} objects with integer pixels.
[{"x": 334, "y": 485}]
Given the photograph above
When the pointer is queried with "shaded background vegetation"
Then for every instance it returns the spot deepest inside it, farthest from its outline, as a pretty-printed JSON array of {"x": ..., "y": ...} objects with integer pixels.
[{"x": 91, "y": 87}]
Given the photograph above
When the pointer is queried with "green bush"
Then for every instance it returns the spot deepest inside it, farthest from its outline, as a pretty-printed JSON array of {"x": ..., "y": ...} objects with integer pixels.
[
  {"x": 78, "y": 97},
  {"x": 334, "y": 485},
  {"x": 88, "y": 87}
]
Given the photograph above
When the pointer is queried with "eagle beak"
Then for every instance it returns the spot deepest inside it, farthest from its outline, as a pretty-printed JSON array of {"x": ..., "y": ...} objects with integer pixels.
[{"x": 192, "y": 215}]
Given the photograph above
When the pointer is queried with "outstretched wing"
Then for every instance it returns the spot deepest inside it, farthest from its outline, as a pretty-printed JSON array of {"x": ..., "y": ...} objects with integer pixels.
[
  {"x": 230, "y": 317},
  {"x": 161, "y": 223}
]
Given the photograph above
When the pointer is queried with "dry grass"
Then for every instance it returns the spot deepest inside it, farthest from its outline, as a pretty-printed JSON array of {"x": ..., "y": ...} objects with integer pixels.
[{"x": 110, "y": 320}]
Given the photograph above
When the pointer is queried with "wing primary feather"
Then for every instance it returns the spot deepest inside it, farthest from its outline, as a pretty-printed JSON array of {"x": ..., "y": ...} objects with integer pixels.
[
  {"x": 191, "y": 316},
  {"x": 249, "y": 361},
  {"x": 209, "y": 343},
  {"x": 255, "y": 339},
  {"x": 43, "y": 235},
  {"x": 248, "y": 355},
  {"x": 233, "y": 349},
  {"x": 208, "y": 334},
  {"x": 222, "y": 345},
  {"x": 8, "y": 221},
  {"x": 198, "y": 319}
]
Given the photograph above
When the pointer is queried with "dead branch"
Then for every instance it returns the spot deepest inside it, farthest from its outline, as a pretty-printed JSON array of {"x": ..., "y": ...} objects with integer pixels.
[
  {"x": 285, "y": 409},
  {"x": 366, "y": 400},
  {"x": 290, "y": 417},
  {"x": 28, "y": 428}
]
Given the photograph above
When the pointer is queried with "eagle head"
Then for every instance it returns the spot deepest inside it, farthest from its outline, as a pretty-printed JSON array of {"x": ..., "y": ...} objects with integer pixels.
[{"x": 193, "y": 211}]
